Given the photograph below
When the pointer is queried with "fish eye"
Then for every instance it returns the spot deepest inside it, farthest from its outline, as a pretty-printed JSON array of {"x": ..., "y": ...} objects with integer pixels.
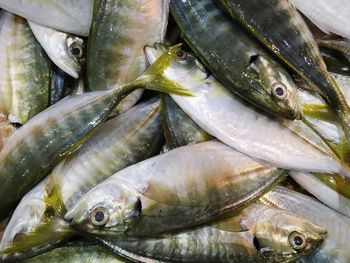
[
  {"x": 99, "y": 216},
  {"x": 181, "y": 55},
  {"x": 279, "y": 91},
  {"x": 297, "y": 241},
  {"x": 76, "y": 50}
]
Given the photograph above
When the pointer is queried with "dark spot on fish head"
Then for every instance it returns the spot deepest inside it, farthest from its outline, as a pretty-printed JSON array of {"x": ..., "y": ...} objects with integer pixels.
[{"x": 253, "y": 59}]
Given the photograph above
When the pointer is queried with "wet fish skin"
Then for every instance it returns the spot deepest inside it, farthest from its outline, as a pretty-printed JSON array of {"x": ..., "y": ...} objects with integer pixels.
[
  {"x": 56, "y": 132},
  {"x": 243, "y": 66},
  {"x": 235, "y": 123},
  {"x": 259, "y": 233},
  {"x": 331, "y": 189},
  {"x": 335, "y": 62},
  {"x": 277, "y": 233},
  {"x": 119, "y": 142},
  {"x": 77, "y": 252},
  {"x": 24, "y": 79},
  {"x": 147, "y": 198},
  {"x": 137, "y": 135},
  {"x": 334, "y": 249},
  {"x": 67, "y": 51},
  {"x": 50, "y": 135},
  {"x": 72, "y": 16},
  {"x": 119, "y": 31},
  {"x": 60, "y": 84},
  {"x": 341, "y": 45},
  {"x": 205, "y": 244},
  {"x": 33, "y": 214},
  {"x": 179, "y": 129},
  {"x": 323, "y": 121},
  {"x": 330, "y": 17},
  {"x": 282, "y": 29}
]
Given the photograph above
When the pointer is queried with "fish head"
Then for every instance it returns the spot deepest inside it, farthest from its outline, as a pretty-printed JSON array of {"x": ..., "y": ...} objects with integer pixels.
[
  {"x": 34, "y": 227},
  {"x": 180, "y": 66},
  {"x": 23, "y": 222},
  {"x": 278, "y": 83},
  {"x": 76, "y": 53},
  {"x": 284, "y": 237},
  {"x": 110, "y": 208}
]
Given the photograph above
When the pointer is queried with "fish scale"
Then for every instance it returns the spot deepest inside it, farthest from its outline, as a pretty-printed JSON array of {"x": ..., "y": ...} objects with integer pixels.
[
  {"x": 34, "y": 148},
  {"x": 76, "y": 118},
  {"x": 330, "y": 17},
  {"x": 288, "y": 144},
  {"x": 119, "y": 32},
  {"x": 282, "y": 29},
  {"x": 335, "y": 247},
  {"x": 233, "y": 57},
  {"x": 24, "y": 82},
  {"x": 117, "y": 143},
  {"x": 73, "y": 16},
  {"x": 185, "y": 187},
  {"x": 240, "y": 238}
]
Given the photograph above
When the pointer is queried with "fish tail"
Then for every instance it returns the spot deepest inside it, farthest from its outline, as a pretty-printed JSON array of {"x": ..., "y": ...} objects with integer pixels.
[{"x": 153, "y": 77}]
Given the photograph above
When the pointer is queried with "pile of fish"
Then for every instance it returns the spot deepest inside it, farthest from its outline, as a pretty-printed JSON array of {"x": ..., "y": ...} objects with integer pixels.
[{"x": 175, "y": 131}]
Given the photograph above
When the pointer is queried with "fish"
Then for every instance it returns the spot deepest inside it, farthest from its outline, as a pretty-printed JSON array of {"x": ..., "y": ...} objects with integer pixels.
[
  {"x": 119, "y": 142},
  {"x": 341, "y": 45},
  {"x": 182, "y": 188},
  {"x": 331, "y": 189},
  {"x": 330, "y": 17},
  {"x": 229, "y": 119},
  {"x": 320, "y": 118},
  {"x": 120, "y": 30},
  {"x": 71, "y": 16},
  {"x": 67, "y": 51},
  {"x": 259, "y": 233},
  {"x": 179, "y": 129},
  {"x": 56, "y": 132},
  {"x": 80, "y": 251},
  {"x": 323, "y": 121},
  {"x": 235, "y": 59},
  {"x": 334, "y": 248},
  {"x": 280, "y": 28},
  {"x": 33, "y": 213},
  {"x": 131, "y": 137},
  {"x": 24, "y": 67},
  {"x": 60, "y": 84},
  {"x": 335, "y": 62}
]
